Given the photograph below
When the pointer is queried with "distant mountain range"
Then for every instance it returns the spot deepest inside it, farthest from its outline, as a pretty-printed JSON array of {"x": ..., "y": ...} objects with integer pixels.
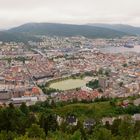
[
  {"x": 119, "y": 27},
  {"x": 7, "y": 36},
  {"x": 29, "y": 31}
]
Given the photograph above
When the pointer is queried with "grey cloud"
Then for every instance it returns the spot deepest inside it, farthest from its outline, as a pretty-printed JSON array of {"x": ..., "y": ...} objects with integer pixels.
[{"x": 15, "y": 12}]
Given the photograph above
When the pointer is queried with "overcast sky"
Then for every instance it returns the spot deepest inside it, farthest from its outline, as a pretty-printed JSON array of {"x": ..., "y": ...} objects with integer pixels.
[{"x": 16, "y": 12}]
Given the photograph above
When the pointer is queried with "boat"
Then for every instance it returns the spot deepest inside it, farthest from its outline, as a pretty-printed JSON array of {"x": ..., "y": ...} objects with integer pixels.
[{"x": 129, "y": 45}]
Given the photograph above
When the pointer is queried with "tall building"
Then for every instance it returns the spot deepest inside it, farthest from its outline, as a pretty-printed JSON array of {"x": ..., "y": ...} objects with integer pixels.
[{"x": 103, "y": 82}]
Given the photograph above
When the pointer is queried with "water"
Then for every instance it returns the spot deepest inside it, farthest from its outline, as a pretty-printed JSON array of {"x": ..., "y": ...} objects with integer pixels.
[{"x": 120, "y": 49}]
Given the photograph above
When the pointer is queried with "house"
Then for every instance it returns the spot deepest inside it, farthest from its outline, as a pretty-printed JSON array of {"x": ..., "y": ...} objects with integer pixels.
[
  {"x": 107, "y": 120},
  {"x": 136, "y": 117},
  {"x": 137, "y": 102},
  {"x": 28, "y": 100},
  {"x": 72, "y": 120},
  {"x": 89, "y": 123},
  {"x": 5, "y": 95},
  {"x": 42, "y": 98},
  {"x": 59, "y": 120},
  {"x": 125, "y": 103},
  {"x": 123, "y": 117}
]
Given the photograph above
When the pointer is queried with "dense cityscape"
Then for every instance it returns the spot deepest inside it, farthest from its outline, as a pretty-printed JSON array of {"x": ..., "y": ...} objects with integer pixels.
[
  {"x": 69, "y": 70},
  {"x": 24, "y": 69},
  {"x": 72, "y": 70}
]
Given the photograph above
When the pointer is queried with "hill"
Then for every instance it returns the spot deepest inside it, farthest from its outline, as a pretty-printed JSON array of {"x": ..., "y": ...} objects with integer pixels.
[
  {"x": 119, "y": 27},
  {"x": 55, "y": 29},
  {"x": 27, "y": 32},
  {"x": 6, "y": 36}
]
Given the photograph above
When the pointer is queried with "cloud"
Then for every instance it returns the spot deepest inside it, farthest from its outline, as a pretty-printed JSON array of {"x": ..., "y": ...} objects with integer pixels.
[{"x": 15, "y": 12}]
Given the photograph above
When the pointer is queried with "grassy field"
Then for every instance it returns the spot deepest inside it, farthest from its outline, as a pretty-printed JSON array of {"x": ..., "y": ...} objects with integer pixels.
[
  {"x": 91, "y": 110},
  {"x": 68, "y": 84}
]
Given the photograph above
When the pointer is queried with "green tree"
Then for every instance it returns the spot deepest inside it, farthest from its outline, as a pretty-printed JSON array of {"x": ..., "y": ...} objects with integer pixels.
[
  {"x": 63, "y": 126},
  {"x": 107, "y": 72},
  {"x": 58, "y": 135},
  {"x": 8, "y": 135},
  {"x": 10, "y": 119},
  {"x": 9, "y": 60},
  {"x": 22, "y": 138},
  {"x": 49, "y": 122},
  {"x": 102, "y": 134},
  {"x": 24, "y": 109},
  {"x": 31, "y": 119},
  {"x": 125, "y": 65},
  {"x": 115, "y": 127},
  {"x": 35, "y": 132},
  {"x": 93, "y": 84},
  {"x": 137, "y": 137},
  {"x": 100, "y": 71},
  {"x": 76, "y": 136},
  {"x": 126, "y": 128},
  {"x": 113, "y": 102},
  {"x": 137, "y": 127}
]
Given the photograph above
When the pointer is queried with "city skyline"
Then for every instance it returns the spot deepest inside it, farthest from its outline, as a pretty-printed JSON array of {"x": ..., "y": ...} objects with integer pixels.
[{"x": 17, "y": 12}]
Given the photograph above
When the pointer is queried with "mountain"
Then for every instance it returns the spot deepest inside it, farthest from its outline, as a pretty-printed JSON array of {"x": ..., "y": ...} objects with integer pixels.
[
  {"x": 56, "y": 29},
  {"x": 7, "y": 36},
  {"x": 119, "y": 27},
  {"x": 27, "y": 32}
]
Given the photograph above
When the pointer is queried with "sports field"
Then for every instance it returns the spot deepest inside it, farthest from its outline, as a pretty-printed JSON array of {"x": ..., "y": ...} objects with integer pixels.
[{"x": 68, "y": 84}]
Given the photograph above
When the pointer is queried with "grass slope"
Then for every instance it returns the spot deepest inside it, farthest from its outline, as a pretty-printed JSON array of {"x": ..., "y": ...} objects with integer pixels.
[{"x": 91, "y": 110}]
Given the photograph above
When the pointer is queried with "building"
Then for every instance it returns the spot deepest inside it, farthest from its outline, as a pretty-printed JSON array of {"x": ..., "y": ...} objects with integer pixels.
[
  {"x": 71, "y": 120},
  {"x": 137, "y": 102},
  {"x": 28, "y": 100},
  {"x": 89, "y": 123},
  {"x": 136, "y": 117},
  {"x": 103, "y": 83}
]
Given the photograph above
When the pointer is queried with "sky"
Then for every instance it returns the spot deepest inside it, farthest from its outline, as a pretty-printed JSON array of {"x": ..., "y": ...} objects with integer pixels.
[{"x": 17, "y": 12}]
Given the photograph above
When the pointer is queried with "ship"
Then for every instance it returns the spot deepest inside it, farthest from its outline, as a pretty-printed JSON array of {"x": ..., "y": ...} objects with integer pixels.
[{"x": 129, "y": 45}]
